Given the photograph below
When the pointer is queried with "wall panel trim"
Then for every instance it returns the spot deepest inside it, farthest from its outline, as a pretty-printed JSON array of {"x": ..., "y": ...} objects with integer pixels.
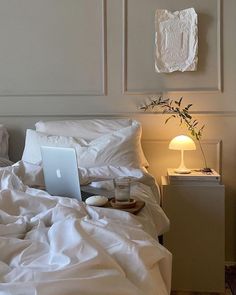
[
  {"x": 162, "y": 147},
  {"x": 217, "y": 89},
  {"x": 231, "y": 114},
  {"x": 103, "y": 91}
]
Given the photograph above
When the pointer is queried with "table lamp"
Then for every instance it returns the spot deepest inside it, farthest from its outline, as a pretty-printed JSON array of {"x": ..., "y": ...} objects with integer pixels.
[{"x": 182, "y": 143}]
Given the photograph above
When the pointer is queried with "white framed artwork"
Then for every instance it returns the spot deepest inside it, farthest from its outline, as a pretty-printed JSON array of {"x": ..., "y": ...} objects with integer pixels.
[{"x": 176, "y": 40}]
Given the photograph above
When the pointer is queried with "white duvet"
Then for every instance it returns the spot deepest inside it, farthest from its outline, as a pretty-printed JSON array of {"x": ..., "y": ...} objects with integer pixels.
[{"x": 57, "y": 246}]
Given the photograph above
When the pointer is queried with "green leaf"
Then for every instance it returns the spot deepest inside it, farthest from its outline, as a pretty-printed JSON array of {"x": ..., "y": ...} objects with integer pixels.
[
  {"x": 174, "y": 108},
  {"x": 189, "y": 106},
  {"x": 188, "y": 116},
  {"x": 172, "y": 116},
  {"x": 180, "y": 101}
]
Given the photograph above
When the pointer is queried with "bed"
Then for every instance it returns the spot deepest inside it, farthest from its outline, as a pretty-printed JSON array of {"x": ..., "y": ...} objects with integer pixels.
[{"x": 57, "y": 245}]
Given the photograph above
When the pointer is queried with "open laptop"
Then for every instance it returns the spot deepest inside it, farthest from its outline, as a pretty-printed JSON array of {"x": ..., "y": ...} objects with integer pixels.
[
  {"x": 61, "y": 173},
  {"x": 62, "y": 177}
]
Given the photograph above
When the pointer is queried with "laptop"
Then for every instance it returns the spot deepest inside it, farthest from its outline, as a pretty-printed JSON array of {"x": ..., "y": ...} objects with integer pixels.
[{"x": 61, "y": 173}]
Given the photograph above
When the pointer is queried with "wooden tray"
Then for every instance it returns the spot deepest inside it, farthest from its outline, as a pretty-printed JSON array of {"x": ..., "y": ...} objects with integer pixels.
[
  {"x": 134, "y": 210},
  {"x": 122, "y": 205}
]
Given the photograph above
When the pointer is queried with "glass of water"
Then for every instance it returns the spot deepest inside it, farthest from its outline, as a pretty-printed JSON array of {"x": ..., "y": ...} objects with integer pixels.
[{"x": 122, "y": 189}]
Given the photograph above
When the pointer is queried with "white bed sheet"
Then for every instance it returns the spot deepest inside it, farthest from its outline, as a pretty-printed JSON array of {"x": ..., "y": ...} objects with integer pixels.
[{"x": 54, "y": 245}]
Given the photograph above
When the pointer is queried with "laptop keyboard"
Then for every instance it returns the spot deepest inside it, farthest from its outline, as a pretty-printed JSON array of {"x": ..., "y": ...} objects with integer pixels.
[{"x": 86, "y": 195}]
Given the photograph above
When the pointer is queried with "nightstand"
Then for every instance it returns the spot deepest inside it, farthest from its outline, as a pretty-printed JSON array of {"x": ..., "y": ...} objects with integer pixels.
[{"x": 197, "y": 235}]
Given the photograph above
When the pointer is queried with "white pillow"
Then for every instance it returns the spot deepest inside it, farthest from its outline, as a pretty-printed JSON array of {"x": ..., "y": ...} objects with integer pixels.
[
  {"x": 87, "y": 129},
  {"x": 90, "y": 130},
  {"x": 34, "y": 139},
  {"x": 120, "y": 148}
]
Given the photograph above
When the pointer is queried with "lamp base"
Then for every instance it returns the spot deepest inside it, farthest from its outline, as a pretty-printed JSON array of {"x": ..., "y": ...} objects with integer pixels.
[{"x": 182, "y": 171}]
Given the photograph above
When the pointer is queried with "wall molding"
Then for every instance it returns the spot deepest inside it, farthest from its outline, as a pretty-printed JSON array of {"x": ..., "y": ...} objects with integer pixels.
[
  {"x": 199, "y": 113},
  {"x": 115, "y": 115},
  {"x": 160, "y": 157},
  {"x": 103, "y": 91},
  {"x": 217, "y": 89}
]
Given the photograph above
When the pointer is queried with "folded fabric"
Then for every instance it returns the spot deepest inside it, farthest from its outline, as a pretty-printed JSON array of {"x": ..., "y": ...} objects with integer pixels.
[
  {"x": 29, "y": 177},
  {"x": 54, "y": 245}
]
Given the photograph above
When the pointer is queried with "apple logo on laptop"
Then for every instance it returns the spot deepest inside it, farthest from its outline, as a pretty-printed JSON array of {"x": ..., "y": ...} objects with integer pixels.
[{"x": 58, "y": 173}]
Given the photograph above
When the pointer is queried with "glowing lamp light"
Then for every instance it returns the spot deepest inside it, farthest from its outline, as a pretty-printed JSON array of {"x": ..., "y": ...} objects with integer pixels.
[{"x": 182, "y": 143}]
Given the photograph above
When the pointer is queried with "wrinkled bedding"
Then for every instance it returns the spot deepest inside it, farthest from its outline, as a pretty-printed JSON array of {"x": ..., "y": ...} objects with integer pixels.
[{"x": 53, "y": 245}]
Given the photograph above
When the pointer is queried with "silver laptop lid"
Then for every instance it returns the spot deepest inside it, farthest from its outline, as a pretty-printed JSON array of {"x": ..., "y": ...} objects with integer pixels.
[{"x": 61, "y": 172}]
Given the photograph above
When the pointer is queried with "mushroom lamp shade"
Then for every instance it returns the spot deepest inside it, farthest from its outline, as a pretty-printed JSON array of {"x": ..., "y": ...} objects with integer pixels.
[{"x": 182, "y": 143}]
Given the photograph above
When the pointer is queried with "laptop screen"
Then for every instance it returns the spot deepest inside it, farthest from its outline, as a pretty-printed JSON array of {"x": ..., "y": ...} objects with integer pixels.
[{"x": 61, "y": 172}]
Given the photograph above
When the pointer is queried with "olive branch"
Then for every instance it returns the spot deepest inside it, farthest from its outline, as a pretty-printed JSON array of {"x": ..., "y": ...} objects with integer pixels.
[{"x": 177, "y": 111}]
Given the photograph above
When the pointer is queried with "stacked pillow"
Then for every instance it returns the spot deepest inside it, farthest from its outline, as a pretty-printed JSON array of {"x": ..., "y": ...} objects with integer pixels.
[
  {"x": 87, "y": 129},
  {"x": 97, "y": 142}
]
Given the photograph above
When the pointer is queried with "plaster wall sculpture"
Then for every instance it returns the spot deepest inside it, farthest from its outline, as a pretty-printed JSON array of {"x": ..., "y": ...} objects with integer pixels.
[{"x": 176, "y": 40}]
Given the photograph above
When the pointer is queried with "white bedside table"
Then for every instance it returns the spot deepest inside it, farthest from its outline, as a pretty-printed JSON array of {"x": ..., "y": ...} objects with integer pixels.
[{"x": 197, "y": 235}]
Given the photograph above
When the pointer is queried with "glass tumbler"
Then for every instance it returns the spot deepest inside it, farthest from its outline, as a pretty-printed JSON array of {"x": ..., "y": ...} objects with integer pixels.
[{"x": 122, "y": 189}]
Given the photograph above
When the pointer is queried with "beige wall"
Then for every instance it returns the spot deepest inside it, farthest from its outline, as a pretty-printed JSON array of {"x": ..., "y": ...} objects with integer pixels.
[{"x": 95, "y": 58}]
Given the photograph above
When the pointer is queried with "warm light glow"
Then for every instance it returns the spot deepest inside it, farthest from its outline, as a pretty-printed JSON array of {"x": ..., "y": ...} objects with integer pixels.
[{"x": 182, "y": 143}]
